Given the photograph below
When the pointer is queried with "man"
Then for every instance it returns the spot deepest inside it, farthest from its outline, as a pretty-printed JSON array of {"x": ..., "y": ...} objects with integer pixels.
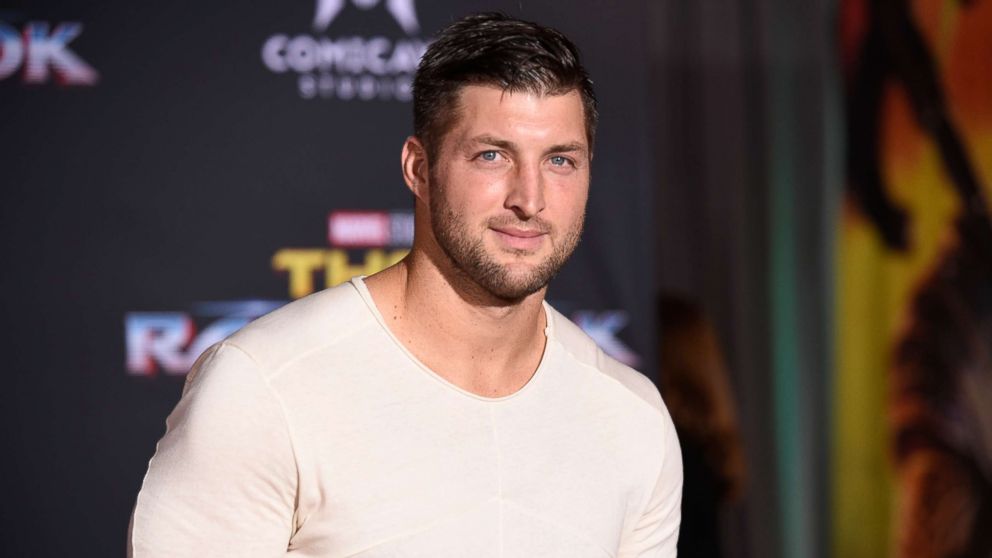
[{"x": 440, "y": 407}]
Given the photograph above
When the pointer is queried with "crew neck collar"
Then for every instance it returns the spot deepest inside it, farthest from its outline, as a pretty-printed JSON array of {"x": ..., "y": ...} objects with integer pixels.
[{"x": 358, "y": 283}]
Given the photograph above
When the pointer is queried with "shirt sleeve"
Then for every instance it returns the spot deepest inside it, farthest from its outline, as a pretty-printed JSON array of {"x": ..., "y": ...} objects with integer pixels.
[
  {"x": 656, "y": 533},
  {"x": 223, "y": 479}
]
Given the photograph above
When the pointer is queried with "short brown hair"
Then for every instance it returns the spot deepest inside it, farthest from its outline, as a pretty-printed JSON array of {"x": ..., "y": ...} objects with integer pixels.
[{"x": 495, "y": 49}]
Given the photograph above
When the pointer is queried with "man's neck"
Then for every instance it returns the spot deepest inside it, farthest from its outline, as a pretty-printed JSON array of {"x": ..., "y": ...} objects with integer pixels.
[{"x": 470, "y": 338}]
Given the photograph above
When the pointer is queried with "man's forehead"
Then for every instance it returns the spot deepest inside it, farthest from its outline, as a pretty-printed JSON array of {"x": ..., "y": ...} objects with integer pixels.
[
  {"x": 498, "y": 94},
  {"x": 485, "y": 110}
]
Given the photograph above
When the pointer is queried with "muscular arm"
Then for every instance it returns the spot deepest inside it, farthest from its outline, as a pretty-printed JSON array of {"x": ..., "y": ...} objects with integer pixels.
[
  {"x": 223, "y": 478},
  {"x": 656, "y": 533}
]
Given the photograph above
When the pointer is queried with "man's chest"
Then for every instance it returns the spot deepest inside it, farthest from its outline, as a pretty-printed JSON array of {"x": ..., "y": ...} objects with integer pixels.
[{"x": 430, "y": 478}]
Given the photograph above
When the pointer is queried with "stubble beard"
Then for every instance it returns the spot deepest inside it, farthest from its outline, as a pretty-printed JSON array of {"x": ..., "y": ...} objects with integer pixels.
[{"x": 466, "y": 250}]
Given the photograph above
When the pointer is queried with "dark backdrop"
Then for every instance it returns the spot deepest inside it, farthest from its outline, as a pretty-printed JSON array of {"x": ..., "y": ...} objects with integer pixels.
[{"x": 176, "y": 175}]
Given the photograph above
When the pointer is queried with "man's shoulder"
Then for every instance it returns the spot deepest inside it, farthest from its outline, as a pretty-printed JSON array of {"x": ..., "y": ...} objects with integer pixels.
[
  {"x": 585, "y": 350},
  {"x": 312, "y": 322}
]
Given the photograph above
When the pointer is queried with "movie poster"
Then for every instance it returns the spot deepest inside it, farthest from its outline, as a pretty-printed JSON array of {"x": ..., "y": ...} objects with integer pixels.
[{"x": 913, "y": 387}]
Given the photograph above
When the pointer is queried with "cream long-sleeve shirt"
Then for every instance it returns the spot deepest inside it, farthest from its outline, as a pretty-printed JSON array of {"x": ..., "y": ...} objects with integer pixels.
[{"x": 314, "y": 432}]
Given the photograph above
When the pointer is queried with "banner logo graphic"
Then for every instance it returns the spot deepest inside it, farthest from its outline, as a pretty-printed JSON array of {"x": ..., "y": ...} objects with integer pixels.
[
  {"x": 169, "y": 341},
  {"x": 350, "y": 67},
  {"x": 401, "y": 10},
  {"x": 43, "y": 53}
]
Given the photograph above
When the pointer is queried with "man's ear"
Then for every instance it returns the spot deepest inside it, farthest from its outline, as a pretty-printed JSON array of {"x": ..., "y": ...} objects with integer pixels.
[{"x": 414, "y": 163}]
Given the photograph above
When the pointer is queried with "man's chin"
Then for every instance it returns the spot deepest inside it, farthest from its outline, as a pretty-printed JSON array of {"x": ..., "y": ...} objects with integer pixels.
[
  {"x": 508, "y": 275},
  {"x": 513, "y": 293},
  {"x": 515, "y": 282}
]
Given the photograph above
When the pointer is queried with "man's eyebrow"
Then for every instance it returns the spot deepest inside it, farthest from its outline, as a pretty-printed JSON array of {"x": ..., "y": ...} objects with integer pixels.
[
  {"x": 493, "y": 141},
  {"x": 572, "y": 147}
]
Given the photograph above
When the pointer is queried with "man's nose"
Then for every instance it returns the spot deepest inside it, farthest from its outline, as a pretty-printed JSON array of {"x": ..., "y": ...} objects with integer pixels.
[{"x": 526, "y": 193}]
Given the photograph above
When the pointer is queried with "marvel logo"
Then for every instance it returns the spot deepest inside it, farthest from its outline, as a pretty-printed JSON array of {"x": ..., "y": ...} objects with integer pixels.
[{"x": 348, "y": 229}]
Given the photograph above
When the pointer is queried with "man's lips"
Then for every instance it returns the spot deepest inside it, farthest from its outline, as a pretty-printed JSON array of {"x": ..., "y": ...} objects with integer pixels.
[{"x": 520, "y": 239}]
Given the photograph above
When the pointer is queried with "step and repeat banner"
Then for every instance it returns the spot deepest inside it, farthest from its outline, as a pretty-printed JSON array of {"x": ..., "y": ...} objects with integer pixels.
[
  {"x": 172, "y": 170},
  {"x": 913, "y": 399}
]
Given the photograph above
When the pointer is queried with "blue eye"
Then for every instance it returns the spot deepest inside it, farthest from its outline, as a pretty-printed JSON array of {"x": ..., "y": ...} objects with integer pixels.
[
  {"x": 559, "y": 161},
  {"x": 488, "y": 155}
]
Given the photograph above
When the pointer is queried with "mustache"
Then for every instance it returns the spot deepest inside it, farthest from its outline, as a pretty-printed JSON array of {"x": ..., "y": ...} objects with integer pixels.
[{"x": 535, "y": 225}]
